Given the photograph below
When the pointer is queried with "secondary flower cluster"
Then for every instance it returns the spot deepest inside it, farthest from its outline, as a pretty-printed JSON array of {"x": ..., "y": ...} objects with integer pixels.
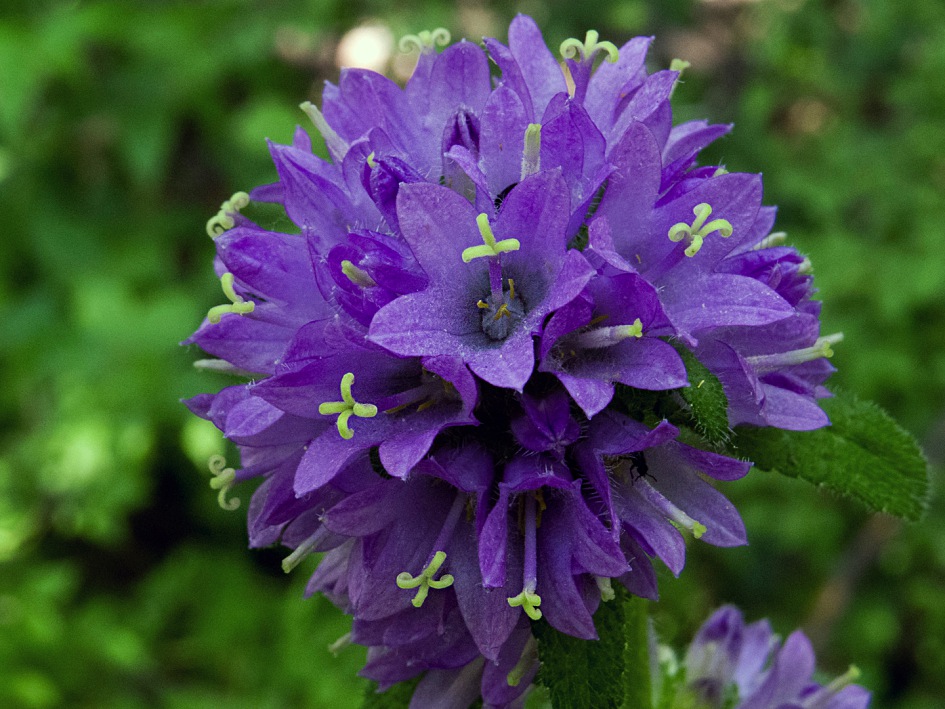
[
  {"x": 448, "y": 360},
  {"x": 731, "y": 665}
]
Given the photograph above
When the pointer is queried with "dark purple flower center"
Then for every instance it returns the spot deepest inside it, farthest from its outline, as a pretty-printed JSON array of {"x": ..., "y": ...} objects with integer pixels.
[{"x": 500, "y": 314}]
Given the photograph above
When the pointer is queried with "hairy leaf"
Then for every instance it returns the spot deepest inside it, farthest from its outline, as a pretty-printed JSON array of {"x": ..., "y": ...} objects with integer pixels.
[{"x": 864, "y": 454}]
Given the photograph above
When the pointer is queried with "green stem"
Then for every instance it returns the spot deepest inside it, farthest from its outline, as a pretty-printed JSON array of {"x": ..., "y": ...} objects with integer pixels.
[{"x": 638, "y": 662}]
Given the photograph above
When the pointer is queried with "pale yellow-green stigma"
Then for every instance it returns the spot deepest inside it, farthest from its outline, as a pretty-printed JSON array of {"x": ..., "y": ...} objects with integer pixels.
[
  {"x": 490, "y": 247},
  {"x": 347, "y": 408},
  {"x": 528, "y": 658},
  {"x": 356, "y": 275},
  {"x": 220, "y": 366},
  {"x": 606, "y": 588},
  {"x": 236, "y": 305},
  {"x": 696, "y": 528},
  {"x": 425, "y": 40},
  {"x": 223, "y": 479},
  {"x": 370, "y": 160},
  {"x": 572, "y": 47},
  {"x": 531, "y": 156},
  {"x": 822, "y": 347},
  {"x": 607, "y": 336},
  {"x": 679, "y": 65},
  {"x": 844, "y": 680},
  {"x": 699, "y": 230},
  {"x": 775, "y": 238},
  {"x": 223, "y": 220},
  {"x": 425, "y": 581},
  {"x": 529, "y": 602},
  {"x": 683, "y": 521},
  {"x": 335, "y": 144},
  {"x": 340, "y": 644}
]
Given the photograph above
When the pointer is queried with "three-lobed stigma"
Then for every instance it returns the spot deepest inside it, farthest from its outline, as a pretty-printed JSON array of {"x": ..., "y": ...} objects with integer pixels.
[
  {"x": 223, "y": 220},
  {"x": 425, "y": 40},
  {"x": 572, "y": 47},
  {"x": 529, "y": 601},
  {"x": 223, "y": 480},
  {"x": 236, "y": 305},
  {"x": 490, "y": 246},
  {"x": 699, "y": 230},
  {"x": 425, "y": 581},
  {"x": 346, "y": 408}
]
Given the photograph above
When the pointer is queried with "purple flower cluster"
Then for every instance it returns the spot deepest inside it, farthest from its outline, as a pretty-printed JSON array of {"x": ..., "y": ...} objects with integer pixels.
[
  {"x": 444, "y": 361},
  {"x": 730, "y": 665}
]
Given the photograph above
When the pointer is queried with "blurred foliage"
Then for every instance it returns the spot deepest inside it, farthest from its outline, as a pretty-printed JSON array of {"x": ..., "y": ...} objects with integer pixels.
[{"x": 124, "y": 125}]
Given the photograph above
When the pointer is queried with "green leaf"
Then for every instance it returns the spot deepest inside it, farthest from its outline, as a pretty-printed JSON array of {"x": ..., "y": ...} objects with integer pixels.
[
  {"x": 864, "y": 454},
  {"x": 596, "y": 674},
  {"x": 397, "y": 697},
  {"x": 706, "y": 398}
]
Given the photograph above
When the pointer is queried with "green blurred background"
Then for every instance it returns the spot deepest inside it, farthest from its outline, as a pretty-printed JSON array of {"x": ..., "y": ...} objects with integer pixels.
[{"x": 124, "y": 125}]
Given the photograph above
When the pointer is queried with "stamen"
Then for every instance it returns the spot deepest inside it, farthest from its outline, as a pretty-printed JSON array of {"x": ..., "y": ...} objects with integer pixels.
[
  {"x": 356, "y": 275},
  {"x": 346, "y": 408},
  {"x": 571, "y": 47},
  {"x": 223, "y": 220},
  {"x": 304, "y": 549},
  {"x": 334, "y": 142},
  {"x": 223, "y": 479},
  {"x": 503, "y": 311},
  {"x": 482, "y": 305},
  {"x": 607, "y": 336},
  {"x": 425, "y": 40},
  {"x": 511, "y": 289},
  {"x": 528, "y": 658},
  {"x": 821, "y": 348},
  {"x": 606, "y": 589},
  {"x": 699, "y": 230},
  {"x": 774, "y": 239},
  {"x": 490, "y": 247},
  {"x": 340, "y": 644},
  {"x": 531, "y": 156},
  {"x": 370, "y": 161},
  {"x": 425, "y": 581},
  {"x": 237, "y": 304}
]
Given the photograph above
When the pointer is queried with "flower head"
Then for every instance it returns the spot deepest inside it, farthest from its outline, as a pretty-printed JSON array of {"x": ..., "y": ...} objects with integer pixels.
[
  {"x": 731, "y": 664},
  {"x": 461, "y": 370}
]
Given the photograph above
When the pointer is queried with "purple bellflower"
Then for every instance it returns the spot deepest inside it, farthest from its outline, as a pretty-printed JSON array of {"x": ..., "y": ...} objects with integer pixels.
[
  {"x": 445, "y": 373},
  {"x": 738, "y": 666}
]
